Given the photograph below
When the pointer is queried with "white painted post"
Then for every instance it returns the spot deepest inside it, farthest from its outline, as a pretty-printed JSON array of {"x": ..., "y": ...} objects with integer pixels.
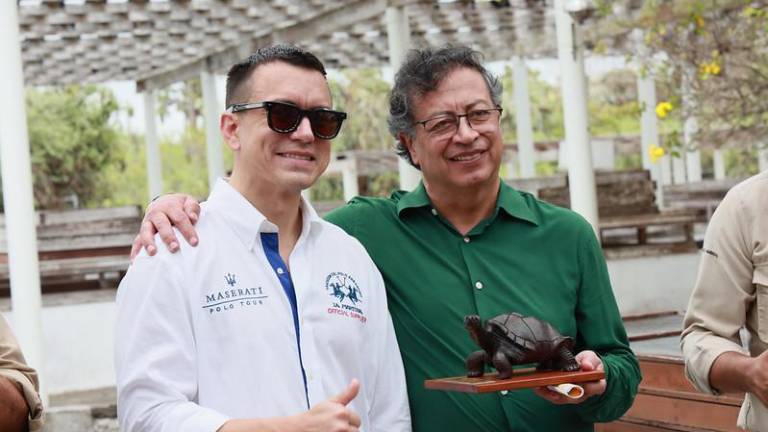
[
  {"x": 666, "y": 169},
  {"x": 18, "y": 199},
  {"x": 690, "y": 128},
  {"x": 399, "y": 39},
  {"x": 649, "y": 124},
  {"x": 581, "y": 176},
  {"x": 525, "y": 149},
  {"x": 213, "y": 143},
  {"x": 154, "y": 166},
  {"x": 762, "y": 158},
  {"x": 719, "y": 162},
  {"x": 678, "y": 168},
  {"x": 349, "y": 178}
]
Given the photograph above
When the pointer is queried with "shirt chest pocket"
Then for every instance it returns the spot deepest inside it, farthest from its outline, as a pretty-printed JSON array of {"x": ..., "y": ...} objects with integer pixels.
[{"x": 760, "y": 279}]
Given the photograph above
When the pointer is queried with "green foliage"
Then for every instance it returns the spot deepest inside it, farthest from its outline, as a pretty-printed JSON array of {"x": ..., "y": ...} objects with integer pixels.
[
  {"x": 363, "y": 95},
  {"x": 613, "y": 106},
  {"x": 71, "y": 141},
  {"x": 721, "y": 45},
  {"x": 124, "y": 182},
  {"x": 546, "y": 108}
]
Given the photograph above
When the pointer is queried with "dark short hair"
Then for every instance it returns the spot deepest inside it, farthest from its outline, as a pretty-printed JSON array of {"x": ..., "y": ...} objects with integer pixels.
[
  {"x": 421, "y": 73},
  {"x": 237, "y": 77}
]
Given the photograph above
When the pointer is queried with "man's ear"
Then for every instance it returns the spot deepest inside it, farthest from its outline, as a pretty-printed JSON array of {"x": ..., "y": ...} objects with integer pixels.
[
  {"x": 229, "y": 126},
  {"x": 408, "y": 142}
]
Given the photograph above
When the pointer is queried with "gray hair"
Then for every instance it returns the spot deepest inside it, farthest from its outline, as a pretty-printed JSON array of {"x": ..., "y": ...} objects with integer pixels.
[{"x": 421, "y": 73}]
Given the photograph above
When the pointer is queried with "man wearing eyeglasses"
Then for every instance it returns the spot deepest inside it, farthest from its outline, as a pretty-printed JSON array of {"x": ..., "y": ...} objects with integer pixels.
[
  {"x": 278, "y": 320},
  {"x": 464, "y": 243}
]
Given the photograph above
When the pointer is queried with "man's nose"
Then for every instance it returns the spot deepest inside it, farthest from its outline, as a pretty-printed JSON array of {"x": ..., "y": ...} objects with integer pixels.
[
  {"x": 464, "y": 132},
  {"x": 303, "y": 132}
]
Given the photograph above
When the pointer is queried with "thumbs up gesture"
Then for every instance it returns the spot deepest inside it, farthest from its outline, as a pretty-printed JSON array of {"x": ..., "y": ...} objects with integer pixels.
[{"x": 332, "y": 415}]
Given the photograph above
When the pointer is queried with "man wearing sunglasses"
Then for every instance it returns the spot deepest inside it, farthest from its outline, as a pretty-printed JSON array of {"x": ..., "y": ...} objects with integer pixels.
[
  {"x": 278, "y": 320},
  {"x": 464, "y": 243}
]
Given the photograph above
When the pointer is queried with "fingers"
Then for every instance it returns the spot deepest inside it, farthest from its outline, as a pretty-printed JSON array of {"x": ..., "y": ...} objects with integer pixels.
[
  {"x": 594, "y": 388},
  {"x": 589, "y": 361},
  {"x": 162, "y": 225},
  {"x": 146, "y": 237},
  {"x": 180, "y": 219},
  {"x": 348, "y": 394},
  {"x": 192, "y": 209},
  {"x": 354, "y": 420},
  {"x": 135, "y": 247}
]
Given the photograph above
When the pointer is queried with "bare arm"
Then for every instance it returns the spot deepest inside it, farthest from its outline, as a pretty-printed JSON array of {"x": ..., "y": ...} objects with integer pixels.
[
  {"x": 171, "y": 210},
  {"x": 734, "y": 372},
  {"x": 14, "y": 412}
]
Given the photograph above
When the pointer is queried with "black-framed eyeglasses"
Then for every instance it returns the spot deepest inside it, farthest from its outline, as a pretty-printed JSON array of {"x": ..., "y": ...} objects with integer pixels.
[
  {"x": 285, "y": 118},
  {"x": 448, "y": 124}
]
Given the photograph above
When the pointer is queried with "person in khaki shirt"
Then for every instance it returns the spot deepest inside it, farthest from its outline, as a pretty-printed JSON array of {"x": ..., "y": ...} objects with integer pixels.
[
  {"x": 20, "y": 405},
  {"x": 731, "y": 292}
]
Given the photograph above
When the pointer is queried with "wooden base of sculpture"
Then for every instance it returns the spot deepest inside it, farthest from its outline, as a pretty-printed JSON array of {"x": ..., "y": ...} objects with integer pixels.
[{"x": 523, "y": 378}]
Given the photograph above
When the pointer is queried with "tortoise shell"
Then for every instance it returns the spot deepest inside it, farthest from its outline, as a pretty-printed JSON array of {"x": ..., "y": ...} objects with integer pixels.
[{"x": 530, "y": 333}]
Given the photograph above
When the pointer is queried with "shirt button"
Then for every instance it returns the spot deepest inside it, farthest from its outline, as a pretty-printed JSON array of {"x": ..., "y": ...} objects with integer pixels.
[
  {"x": 434, "y": 212},
  {"x": 504, "y": 392},
  {"x": 479, "y": 285},
  {"x": 280, "y": 270},
  {"x": 466, "y": 239}
]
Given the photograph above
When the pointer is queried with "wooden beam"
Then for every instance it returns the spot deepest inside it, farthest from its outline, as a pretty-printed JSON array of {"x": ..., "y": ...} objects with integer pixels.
[{"x": 333, "y": 20}]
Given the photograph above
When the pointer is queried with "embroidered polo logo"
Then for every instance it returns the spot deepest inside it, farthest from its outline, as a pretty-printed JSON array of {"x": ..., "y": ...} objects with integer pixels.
[
  {"x": 230, "y": 298},
  {"x": 346, "y": 294}
]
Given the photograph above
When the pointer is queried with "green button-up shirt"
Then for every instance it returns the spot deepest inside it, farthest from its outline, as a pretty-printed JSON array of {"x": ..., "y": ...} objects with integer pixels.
[{"x": 528, "y": 257}]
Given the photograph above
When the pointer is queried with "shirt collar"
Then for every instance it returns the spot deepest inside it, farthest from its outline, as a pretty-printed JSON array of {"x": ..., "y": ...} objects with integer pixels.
[
  {"x": 246, "y": 220},
  {"x": 509, "y": 200}
]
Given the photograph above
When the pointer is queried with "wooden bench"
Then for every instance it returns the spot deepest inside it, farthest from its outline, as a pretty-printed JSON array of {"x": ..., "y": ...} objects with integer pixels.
[
  {"x": 666, "y": 400},
  {"x": 90, "y": 246},
  {"x": 629, "y": 216}
]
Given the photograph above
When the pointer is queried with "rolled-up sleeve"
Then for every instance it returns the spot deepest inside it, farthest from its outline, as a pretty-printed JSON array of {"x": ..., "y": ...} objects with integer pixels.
[
  {"x": 155, "y": 358},
  {"x": 14, "y": 367},
  {"x": 722, "y": 296}
]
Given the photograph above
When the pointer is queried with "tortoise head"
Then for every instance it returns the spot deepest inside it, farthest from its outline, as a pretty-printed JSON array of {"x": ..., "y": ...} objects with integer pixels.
[{"x": 474, "y": 326}]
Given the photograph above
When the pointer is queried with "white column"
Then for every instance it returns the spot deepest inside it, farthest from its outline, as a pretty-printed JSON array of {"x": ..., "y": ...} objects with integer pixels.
[
  {"x": 666, "y": 169},
  {"x": 678, "y": 169},
  {"x": 690, "y": 128},
  {"x": 213, "y": 143},
  {"x": 349, "y": 178},
  {"x": 399, "y": 39},
  {"x": 762, "y": 158},
  {"x": 154, "y": 167},
  {"x": 649, "y": 124},
  {"x": 581, "y": 176},
  {"x": 17, "y": 197},
  {"x": 719, "y": 162},
  {"x": 523, "y": 119}
]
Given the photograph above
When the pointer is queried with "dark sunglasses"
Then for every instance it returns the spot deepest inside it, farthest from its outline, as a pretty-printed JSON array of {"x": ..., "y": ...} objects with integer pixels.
[{"x": 285, "y": 118}]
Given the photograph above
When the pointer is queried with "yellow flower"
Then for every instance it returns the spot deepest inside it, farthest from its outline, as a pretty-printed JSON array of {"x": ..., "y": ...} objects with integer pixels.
[
  {"x": 699, "y": 21},
  {"x": 663, "y": 108},
  {"x": 656, "y": 152},
  {"x": 711, "y": 68}
]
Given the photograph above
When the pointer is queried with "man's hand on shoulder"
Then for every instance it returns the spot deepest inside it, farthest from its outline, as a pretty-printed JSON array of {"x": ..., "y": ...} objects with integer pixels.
[
  {"x": 164, "y": 213},
  {"x": 589, "y": 361}
]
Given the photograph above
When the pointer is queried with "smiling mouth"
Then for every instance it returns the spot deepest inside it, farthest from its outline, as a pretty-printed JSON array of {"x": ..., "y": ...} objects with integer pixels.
[
  {"x": 297, "y": 156},
  {"x": 467, "y": 157}
]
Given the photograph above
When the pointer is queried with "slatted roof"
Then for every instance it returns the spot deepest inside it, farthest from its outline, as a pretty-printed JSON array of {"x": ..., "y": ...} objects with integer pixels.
[{"x": 156, "y": 42}]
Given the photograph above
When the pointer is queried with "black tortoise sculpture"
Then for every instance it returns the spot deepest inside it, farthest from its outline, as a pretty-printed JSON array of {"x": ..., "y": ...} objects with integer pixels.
[{"x": 513, "y": 339}]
